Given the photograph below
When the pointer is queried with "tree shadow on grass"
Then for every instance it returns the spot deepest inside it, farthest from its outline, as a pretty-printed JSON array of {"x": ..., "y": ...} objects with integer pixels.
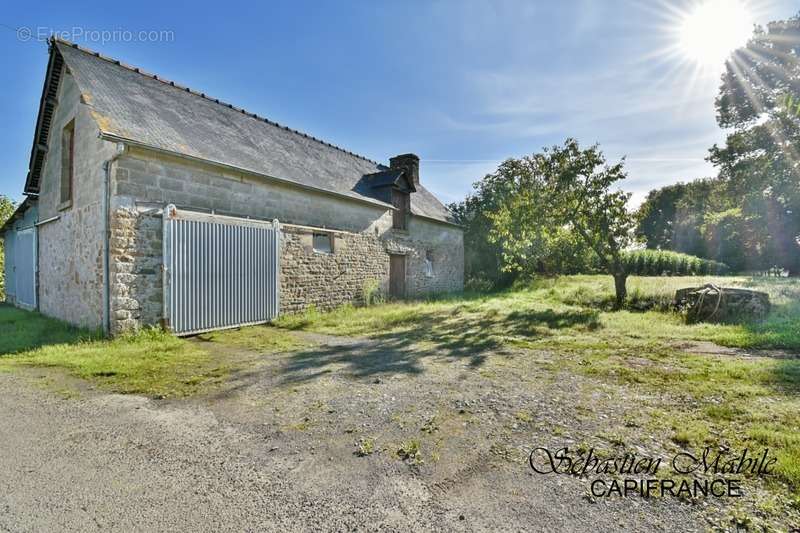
[
  {"x": 780, "y": 330},
  {"x": 444, "y": 335},
  {"x": 786, "y": 376},
  {"x": 22, "y": 330}
]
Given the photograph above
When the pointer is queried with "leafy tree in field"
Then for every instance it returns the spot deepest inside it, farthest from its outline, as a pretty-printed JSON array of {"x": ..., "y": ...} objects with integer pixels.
[
  {"x": 697, "y": 218},
  {"x": 6, "y": 210},
  {"x": 657, "y": 216},
  {"x": 760, "y": 162},
  {"x": 700, "y": 197},
  {"x": 564, "y": 191},
  {"x": 483, "y": 260},
  {"x": 727, "y": 235}
]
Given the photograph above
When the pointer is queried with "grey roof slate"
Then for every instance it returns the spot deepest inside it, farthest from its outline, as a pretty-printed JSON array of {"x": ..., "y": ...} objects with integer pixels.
[
  {"x": 141, "y": 107},
  {"x": 385, "y": 178}
]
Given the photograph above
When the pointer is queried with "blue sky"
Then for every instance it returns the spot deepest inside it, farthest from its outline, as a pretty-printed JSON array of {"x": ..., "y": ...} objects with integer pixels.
[{"x": 464, "y": 84}]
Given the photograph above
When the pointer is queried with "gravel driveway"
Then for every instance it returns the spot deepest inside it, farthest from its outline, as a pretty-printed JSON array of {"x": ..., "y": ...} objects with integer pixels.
[{"x": 348, "y": 435}]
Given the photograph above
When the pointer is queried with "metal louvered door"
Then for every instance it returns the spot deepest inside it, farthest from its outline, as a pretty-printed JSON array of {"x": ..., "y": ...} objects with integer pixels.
[
  {"x": 219, "y": 272},
  {"x": 24, "y": 268}
]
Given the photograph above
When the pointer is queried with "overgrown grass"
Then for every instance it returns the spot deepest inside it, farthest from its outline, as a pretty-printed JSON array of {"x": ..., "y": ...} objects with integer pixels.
[
  {"x": 150, "y": 362},
  {"x": 569, "y": 311}
]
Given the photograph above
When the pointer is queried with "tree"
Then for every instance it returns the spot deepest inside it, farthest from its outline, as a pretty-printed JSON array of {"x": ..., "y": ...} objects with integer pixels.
[
  {"x": 497, "y": 260},
  {"x": 6, "y": 210},
  {"x": 760, "y": 162},
  {"x": 483, "y": 261},
  {"x": 656, "y": 216},
  {"x": 565, "y": 187},
  {"x": 701, "y": 219}
]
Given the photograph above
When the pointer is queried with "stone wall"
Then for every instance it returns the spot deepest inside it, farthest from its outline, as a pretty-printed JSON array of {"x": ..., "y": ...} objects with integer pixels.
[
  {"x": 443, "y": 244},
  {"x": 162, "y": 179},
  {"x": 143, "y": 184},
  {"x": 71, "y": 246},
  {"x": 135, "y": 268},
  {"x": 328, "y": 280}
]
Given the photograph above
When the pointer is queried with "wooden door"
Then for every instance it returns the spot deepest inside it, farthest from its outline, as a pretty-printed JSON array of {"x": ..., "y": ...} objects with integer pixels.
[{"x": 397, "y": 276}]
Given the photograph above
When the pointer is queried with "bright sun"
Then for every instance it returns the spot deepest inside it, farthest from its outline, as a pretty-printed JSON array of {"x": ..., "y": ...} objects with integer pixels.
[{"x": 713, "y": 29}]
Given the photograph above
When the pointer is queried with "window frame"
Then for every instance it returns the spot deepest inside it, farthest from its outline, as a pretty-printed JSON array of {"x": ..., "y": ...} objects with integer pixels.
[
  {"x": 429, "y": 261},
  {"x": 329, "y": 236},
  {"x": 66, "y": 189}
]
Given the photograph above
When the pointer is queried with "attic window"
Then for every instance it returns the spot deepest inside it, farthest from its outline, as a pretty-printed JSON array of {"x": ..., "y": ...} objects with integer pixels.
[
  {"x": 402, "y": 203},
  {"x": 323, "y": 243},
  {"x": 67, "y": 163}
]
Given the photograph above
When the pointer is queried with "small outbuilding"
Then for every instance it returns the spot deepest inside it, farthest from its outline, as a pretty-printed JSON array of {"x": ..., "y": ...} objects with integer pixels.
[{"x": 20, "y": 251}]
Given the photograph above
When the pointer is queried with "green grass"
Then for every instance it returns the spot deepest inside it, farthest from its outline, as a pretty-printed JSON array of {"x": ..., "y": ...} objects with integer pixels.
[
  {"x": 22, "y": 330},
  {"x": 150, "y": 362},
  {"x": 262, "y": 339},
  {"x": 570, "y": 311}
]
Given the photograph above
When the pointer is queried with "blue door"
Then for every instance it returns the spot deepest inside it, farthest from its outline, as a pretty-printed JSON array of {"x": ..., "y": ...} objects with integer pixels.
[
  {"x": 24, "y": 267},
  {"x": 10, "y": 277}
]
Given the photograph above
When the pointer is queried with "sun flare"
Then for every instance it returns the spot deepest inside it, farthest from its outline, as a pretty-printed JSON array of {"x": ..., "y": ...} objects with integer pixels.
[{"x": 712, "y": 29}]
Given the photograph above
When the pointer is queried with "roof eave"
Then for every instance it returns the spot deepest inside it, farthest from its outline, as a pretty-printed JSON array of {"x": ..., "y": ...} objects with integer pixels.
[
  {"x": 42, "y": 131},
  {"x": 438, "y": 220}
]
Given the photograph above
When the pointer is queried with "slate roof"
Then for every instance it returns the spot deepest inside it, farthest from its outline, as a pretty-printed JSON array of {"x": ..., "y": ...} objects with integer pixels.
[
  {"x": 387, "y": 178},
  {"x": 133, "y": 105}
]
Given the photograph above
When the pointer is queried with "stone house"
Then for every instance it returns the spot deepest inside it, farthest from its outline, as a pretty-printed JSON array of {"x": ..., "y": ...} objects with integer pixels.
[{"x": 114, "y": 146}]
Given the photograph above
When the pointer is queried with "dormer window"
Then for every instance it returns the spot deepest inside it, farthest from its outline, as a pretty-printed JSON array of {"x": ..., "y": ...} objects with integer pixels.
[
  {"x": 395, "y": 185},
  {"x": 402, "y": 203}
]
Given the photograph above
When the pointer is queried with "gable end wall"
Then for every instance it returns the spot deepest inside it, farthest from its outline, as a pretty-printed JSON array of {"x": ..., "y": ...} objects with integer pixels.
[{"x": 71, "y": 247}]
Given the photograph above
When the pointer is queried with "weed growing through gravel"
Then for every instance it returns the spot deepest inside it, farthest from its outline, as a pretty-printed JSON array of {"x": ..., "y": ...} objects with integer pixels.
[
  {"x": 365, "y": 446},
  {"x": 411, "y": 451},
  {"x": 263, "y": 339}
]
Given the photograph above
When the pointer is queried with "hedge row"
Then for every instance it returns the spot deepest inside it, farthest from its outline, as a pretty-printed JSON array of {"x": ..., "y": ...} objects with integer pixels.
[{"x": 665, "y": 263}]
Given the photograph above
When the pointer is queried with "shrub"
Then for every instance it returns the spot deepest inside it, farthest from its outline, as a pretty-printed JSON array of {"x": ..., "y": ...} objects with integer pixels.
[{"x": 372, "y": 293}]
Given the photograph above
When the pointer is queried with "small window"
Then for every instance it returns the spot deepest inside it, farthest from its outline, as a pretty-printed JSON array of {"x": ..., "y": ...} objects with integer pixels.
[
  {"x": 402, "y": 203},
  {"x": 429, "y": 264},
  {"x": 323, "y": 243},
  {"x": 67, "y": 163}
]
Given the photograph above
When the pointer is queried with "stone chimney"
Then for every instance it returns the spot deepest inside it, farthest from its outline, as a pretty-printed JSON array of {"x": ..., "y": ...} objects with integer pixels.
[{"x": 409, "y": 163}]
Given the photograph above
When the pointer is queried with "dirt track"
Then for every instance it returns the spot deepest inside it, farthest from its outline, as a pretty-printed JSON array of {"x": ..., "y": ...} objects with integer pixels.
[{"x": 276, "y": 449}]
